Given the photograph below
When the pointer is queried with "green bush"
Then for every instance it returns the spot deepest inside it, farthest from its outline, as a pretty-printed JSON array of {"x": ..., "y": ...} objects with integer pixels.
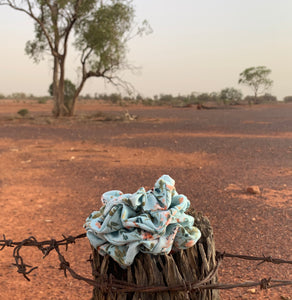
[
  {"x": 42, "y": 101},
  {"x": 23, "y": 112},
  {"x": 69, "y": 91}
]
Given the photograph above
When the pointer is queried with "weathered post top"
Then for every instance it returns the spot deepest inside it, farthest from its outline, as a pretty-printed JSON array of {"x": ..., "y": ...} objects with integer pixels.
[{"x": 145, "y": 246}]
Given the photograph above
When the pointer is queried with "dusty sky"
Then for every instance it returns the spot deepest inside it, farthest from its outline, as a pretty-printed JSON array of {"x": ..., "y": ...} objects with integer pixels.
[{"x": 196, "y": 46}]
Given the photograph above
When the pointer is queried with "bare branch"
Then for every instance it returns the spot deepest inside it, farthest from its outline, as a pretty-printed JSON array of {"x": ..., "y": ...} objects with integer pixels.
[{"x": 30, "y": 13}]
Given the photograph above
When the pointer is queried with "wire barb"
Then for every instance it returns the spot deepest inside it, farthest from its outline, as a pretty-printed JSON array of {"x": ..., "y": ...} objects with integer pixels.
[
  {"x": 5, "y": 243},
  {"x": 265, "y": 283}
]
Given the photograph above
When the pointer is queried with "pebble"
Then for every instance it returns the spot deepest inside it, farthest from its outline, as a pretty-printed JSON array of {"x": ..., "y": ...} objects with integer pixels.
[{"x": 253, "y": 189}]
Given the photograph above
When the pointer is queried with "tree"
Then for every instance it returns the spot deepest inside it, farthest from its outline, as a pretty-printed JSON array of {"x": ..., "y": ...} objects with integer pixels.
[
  {"x": 266, "y": 98},
  {"x": 102, "y": 29},
  {"x": 204, "y": 97},
  {"x": 230, "y": 95},
  {"x": 288, "y": 99},
  {"x": 101, "y": 40},
  {"x": 257, "y": 79}
]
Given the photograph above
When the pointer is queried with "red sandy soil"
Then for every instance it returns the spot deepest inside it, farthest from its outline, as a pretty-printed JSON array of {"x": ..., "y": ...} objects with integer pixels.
[{"x": 53, "y": 172}]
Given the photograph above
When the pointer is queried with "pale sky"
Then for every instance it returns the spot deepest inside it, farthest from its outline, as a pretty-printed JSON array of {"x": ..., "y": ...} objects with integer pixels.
[{"x": 196, "y": 46}]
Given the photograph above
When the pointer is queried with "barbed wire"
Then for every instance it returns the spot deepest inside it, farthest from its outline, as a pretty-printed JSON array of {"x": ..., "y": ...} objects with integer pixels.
[
  {"x": 45, "y": 246},
  {"x": 262, "y": 259},
  {"x": 109, "y": 283}
]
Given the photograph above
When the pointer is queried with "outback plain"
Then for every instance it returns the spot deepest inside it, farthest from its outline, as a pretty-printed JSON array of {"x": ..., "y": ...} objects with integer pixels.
[{"x": 53, "y": 172}]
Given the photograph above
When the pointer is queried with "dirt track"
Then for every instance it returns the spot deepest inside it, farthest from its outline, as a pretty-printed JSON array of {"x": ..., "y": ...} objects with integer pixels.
[{"x": 52, "y": 173}]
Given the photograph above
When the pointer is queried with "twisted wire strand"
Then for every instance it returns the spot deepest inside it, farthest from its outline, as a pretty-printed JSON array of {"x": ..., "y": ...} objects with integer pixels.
[{"x": 110, "y": 284}]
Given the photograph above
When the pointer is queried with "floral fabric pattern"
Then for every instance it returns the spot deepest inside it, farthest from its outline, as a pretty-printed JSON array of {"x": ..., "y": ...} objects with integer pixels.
[{"x": 150, "y": 222}]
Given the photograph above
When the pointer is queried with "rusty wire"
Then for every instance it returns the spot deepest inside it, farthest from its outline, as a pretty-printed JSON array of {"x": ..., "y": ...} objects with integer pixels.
[
  {"x": 111, "y": 284},
  {"x": 45, "y": 246},
  {"x": 262, "y": 258}
]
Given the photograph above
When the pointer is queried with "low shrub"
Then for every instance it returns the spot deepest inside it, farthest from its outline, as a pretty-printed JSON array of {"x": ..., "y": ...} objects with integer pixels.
[
  {"x": 23, "y": 112},
  {"x": 42, "y": 101}
]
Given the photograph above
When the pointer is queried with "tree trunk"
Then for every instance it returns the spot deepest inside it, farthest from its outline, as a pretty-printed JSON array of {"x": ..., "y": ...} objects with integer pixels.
[
  {"x": 56, "y": 111},
  {"x": 183, "y": 267},
  {"x": 77, "y": 92},
  {"x": 62, "y": 108},
  {"x": 255, "y": 96}
]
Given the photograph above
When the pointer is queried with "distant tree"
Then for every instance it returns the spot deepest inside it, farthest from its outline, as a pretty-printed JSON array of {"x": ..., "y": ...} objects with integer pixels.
[
  {"x": 248, "y": 99},
  {"x": 230, "y": 95},
  {"x": 18, "y": 96},
  {"x": 165, "y": 97},
  {"x": 128, "y": 99},
  {"x": 115, "y": 98},
  {"x": 102, "y": 30},
  {"x": 139, "y": 97},
  {"x": 193, "y": 98},
  {"x": 287, "y": 99},
  {"x": 266, "y": 98},
  {"x": 214, "y": 96},
  {"x": 257, "y": 79},
  {"x": 87, "y": 96},
  {"x": 204, "y": 97}
]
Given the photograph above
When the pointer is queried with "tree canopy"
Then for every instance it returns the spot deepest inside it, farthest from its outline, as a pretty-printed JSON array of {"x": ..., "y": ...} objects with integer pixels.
[
  {"x": 257, "y": 79},
  {"x": 101, "y": 28}
]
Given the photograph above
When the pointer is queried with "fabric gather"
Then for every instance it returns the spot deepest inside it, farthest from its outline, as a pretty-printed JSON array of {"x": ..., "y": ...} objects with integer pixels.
[{"x": 150, "y": 222}]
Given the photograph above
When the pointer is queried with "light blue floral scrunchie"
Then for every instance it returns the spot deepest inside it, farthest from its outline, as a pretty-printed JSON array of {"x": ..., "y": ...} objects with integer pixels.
[{"x": 150, "y": 222}]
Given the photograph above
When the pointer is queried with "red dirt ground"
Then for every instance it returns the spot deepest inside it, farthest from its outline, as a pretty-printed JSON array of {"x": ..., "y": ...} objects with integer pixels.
[{"x": 53, "y": 172}]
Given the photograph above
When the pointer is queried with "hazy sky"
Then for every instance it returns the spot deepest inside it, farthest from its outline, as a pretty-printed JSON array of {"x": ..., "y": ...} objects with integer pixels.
[{"x": 196, "y": 46}]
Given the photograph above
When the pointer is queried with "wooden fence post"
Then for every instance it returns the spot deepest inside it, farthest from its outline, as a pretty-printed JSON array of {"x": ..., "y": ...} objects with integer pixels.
[{"x": 180, "y": 268}]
